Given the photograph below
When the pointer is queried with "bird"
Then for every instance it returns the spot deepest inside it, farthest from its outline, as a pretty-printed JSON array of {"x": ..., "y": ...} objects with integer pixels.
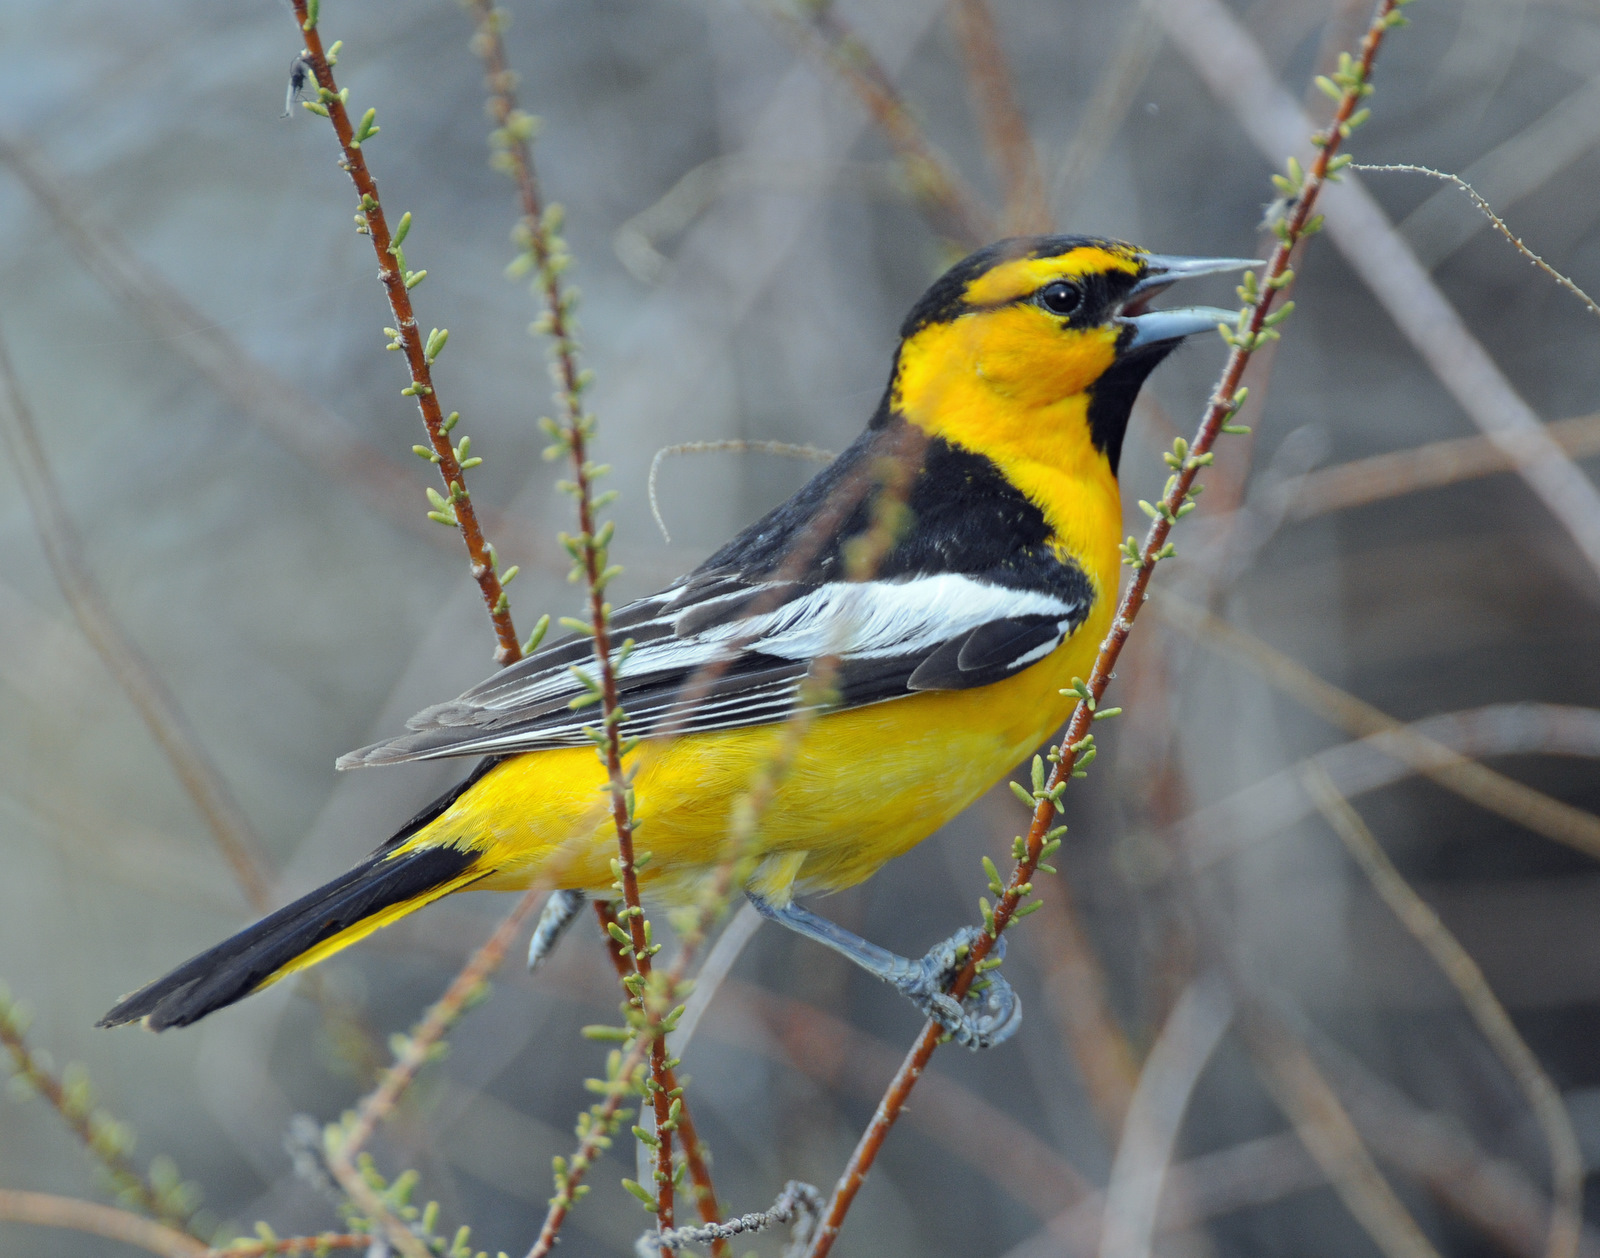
[{"x": 949, "y": 659}]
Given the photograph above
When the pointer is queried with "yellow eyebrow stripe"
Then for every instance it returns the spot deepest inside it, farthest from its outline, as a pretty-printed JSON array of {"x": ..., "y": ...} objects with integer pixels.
[{"x": 1011, "y": 280}]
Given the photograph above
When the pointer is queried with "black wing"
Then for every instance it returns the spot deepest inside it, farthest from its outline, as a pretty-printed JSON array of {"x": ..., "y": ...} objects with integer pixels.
[{"x": 972, "y": 594}]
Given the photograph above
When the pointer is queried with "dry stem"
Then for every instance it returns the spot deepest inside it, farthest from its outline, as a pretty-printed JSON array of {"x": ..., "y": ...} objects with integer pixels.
[
  {"x": 946, "y": 201},
  {"x": 736, "y": 445},
  {"x": 1005, "y": 130},
  {"x": 1494, "y": 791},
  {"x": 316, "y": 1245},
  {"x": 1566, "y": 1159},
  {"x": 1310, "y": 1103},
  {"x": 1253, "y": 331},
  {"x": 49, "y": 1210},
  {"x": 122, "y": 657},
  {"x": 1431, "y": 466},
  {"x": 1234, "y": 68},
  {"x": 1188, "y": 1038},
  {"x": 1495, "y": 219}
]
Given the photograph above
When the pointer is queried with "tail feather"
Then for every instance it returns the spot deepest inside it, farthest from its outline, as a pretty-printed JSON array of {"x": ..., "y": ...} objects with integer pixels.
[{"x": 377, "y": 891}]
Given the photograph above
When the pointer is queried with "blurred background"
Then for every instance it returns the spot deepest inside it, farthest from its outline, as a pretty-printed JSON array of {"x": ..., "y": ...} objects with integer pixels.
[{"x": 198, "y": 335}]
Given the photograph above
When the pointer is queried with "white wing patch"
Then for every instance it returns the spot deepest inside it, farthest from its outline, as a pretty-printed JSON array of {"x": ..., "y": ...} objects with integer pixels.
[
  {"x": 861, "y": 620},
  {"x": 886, "y": 628},
  {"x": 876, "y": 619}
]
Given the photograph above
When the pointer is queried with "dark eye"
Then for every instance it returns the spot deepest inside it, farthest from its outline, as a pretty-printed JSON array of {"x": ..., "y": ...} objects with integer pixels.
[{"x": 1060, "y": 297}]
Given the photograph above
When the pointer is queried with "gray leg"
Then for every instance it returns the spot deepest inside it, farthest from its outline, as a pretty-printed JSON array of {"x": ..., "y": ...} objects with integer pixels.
[
  {"x": 554, "y": 918},
  {"x": 989, "y": 1015}
]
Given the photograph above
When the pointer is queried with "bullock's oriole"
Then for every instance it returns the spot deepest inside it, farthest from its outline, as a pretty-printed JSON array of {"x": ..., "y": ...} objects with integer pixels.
[{"x": 1016, "y": 373}]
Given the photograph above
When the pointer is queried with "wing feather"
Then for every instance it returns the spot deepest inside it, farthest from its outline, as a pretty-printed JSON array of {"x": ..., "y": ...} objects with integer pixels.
[{"x": 722, "y": 652}]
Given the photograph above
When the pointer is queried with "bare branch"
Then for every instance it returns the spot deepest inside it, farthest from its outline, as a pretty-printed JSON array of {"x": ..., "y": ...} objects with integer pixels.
[
  {"x": 1566, "y": 1159},
  {"x": 1310, "y": 1103},
  {"x": 49, "y": 1210},
  {"x": 1233, "y": 67},
  {"x": 1496, "y": 792},
  {"x": 1005, "y": 129},
  {"x": 128, "y": 665},
  {"x": 1499, "y": 224},
  {"x": 1187, "y": 1040}
]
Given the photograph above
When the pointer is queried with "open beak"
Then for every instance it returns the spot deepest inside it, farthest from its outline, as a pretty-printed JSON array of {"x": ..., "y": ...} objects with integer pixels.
[{"x": 1160, "y": 327}]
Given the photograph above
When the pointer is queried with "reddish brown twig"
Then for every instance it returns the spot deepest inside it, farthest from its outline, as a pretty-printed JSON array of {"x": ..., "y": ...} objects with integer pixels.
[
  {"x": 1005, "y": 130},
  {"x": 537, "y": 232},
  {"x": 1236, "y": 71},
  {"x": 457, "y": 508},
  {"x": 1253, "y": 331}
]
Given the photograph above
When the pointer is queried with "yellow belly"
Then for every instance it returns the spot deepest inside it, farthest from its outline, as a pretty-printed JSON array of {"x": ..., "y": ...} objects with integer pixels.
[{"x": 867, "y": 785}]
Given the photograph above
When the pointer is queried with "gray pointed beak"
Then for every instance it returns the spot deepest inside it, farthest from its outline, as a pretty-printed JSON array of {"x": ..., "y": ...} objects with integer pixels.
[{"x": 1156, "y": 327}]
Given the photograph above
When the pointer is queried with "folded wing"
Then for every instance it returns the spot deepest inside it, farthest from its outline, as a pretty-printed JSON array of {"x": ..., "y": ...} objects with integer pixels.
[{"x": 724, "y": 651}]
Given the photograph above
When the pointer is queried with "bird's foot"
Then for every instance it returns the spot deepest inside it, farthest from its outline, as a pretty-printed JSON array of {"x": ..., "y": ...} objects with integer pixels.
[{"x": 989, "y": 1014}]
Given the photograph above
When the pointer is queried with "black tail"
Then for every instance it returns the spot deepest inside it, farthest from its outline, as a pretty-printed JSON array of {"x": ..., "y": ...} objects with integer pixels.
[{"x": 380, "y": 889}]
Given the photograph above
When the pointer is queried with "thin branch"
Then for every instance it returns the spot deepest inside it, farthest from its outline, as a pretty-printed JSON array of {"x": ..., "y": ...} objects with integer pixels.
[
  {"x": 714, "y": 970},
  {"x": 737, "y": 445},
  {"x": 1108, "y": 104},
  {"x": 1253, "y": 331},
  {"x": 316, "y": 1245},
  {"x": 1075, "y": 987},
  {"x": 456, "y": 508},
  {"x": 1494, "y": 791},
  {"x": 48, "y": 1210},
  {"x": 545, "y": 254},
  {"x": 1180, "y": 1053},
  {"x": 1310, "y": 1103},
  {"x": 105, "y": 1139},
  {"x": 323, "y": 440},
  {"x": 798, "y": 1203},
  {"x": 1005, "y": 129},
  {"x": 1234, "y": 68},
  {"x": 1513, "y": 169},
  {"x": 1544, "y": 1099},
  {"x": 346, "y": 1140},
  {"x": 1499, "y": 223},
  {"x": 127, "y": 664},
  {"x": 1275, "y": 802},
  {"x": 948, "y": 204},
  {"x": 1361, "y": 482}
]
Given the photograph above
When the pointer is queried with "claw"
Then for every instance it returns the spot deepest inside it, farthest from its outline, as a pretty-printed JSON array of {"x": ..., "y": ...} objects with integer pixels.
[{"x": 986, "y": 1017}]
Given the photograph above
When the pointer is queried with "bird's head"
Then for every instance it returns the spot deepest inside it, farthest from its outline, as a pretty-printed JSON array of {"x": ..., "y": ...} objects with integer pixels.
[{"x": 1044, "y": 332}]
